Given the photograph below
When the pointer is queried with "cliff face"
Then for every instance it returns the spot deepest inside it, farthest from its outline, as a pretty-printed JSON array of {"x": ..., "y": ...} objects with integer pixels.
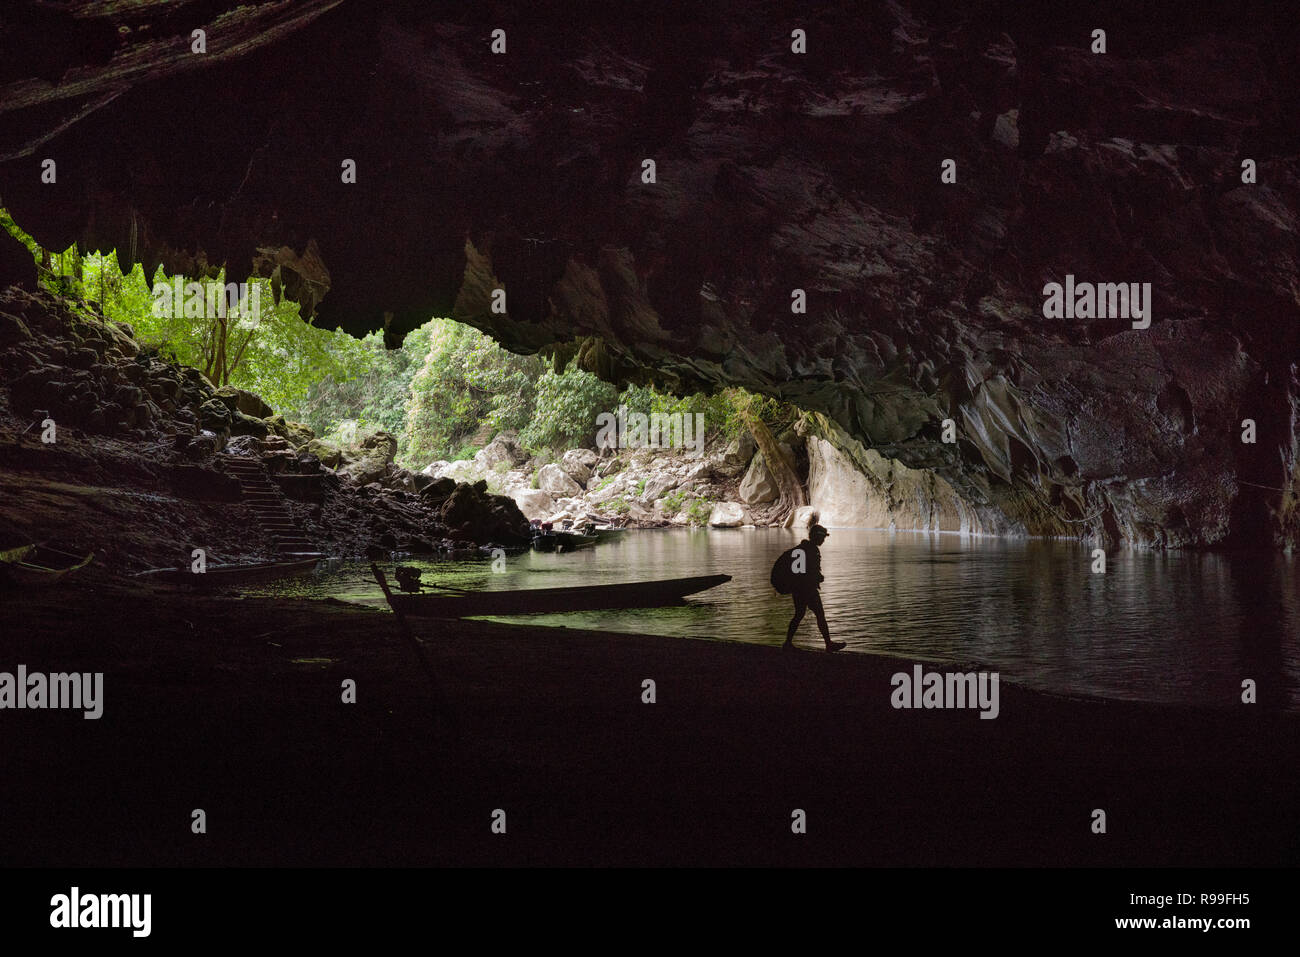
[{"x": 774, "y": 171}]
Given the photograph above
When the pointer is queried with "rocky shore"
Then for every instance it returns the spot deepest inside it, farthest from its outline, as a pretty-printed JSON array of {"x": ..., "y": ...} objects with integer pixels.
[
  {"x": 727, "y": 484},
  {"x": 108, "y": 447}
]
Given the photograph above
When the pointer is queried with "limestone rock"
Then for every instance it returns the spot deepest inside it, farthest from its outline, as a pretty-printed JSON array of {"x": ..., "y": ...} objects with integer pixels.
[
  {"x": 740, "y": 450},
  {"x": 758, "y": 487},
  {"x": 534, "y": 503},
  {"x": 463, "y": 470},
  {"x": 504, "y": 448},
  {"x": 371, "y": 464},
  {"x": 551, "y": 478},
  {"x": 800, "y": 517},
  {"x": 241, "y": 400},
  {"x": 329, "y": 454},
  {"x": 728, "y": 515},
  {"x": 578, "y": 463}
]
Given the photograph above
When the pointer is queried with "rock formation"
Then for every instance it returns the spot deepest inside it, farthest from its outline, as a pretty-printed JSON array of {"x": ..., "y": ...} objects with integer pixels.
[{"x": 774, "y": 171}]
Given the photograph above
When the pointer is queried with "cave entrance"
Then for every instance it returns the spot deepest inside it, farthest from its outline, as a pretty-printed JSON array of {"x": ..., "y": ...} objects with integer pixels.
[{"x": 546, "y": 430}]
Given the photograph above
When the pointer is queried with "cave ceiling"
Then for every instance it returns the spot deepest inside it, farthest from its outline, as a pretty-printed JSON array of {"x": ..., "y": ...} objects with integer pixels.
[{"x": 774, "y": 171}]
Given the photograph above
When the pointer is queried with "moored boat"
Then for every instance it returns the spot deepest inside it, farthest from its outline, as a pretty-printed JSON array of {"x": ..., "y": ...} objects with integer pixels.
[
  {"x": 37, "y": 566},
  {"x": 547, "y": 539},
  {"x": 534, "y": 601}
]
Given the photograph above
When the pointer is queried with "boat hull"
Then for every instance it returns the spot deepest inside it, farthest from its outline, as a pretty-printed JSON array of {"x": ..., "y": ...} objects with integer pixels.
[
  {"x": 24, "y": 567},
  {"x": 536, "y": 601},
  {"x": 562, "y": 542}
]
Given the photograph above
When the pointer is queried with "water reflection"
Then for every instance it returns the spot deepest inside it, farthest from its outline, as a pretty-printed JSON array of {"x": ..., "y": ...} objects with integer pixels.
[{"x": 1158, "y": 626}]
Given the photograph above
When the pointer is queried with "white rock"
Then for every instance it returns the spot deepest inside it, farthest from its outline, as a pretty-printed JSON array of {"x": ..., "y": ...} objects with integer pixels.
[
  {"x": 801, "y": 517},
  {"x": 533, "y": 502},
  {"x": 466, "y": 470},
  {"x": 659, "y": 485},
  {"x": 758, "y": 487},
  {"x": 578, "y": 463},
  {"x": 614, "y": 489},
  {"x": 551, "y": 478},
  {"x": 728, "y": 515}
]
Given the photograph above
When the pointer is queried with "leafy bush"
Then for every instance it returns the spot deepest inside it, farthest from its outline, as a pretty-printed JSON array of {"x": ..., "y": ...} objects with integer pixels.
[
  {"x": 466, "y": 382},
  {"x": 699, "y": 510},
  {"x": 567, "y": 404}
]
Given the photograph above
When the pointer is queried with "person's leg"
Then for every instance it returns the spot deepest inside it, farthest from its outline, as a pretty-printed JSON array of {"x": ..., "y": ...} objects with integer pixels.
[
  {"x": 800, "y": 606},
  {"x": 815, "y": 603}
]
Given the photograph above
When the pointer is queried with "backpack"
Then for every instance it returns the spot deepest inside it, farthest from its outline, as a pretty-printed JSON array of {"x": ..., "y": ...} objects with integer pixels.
[{"x": 782, "y": 576}]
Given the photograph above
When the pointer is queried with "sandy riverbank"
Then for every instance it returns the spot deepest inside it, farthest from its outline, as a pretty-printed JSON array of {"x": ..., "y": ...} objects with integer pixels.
[{"x": 234, "y": 706}]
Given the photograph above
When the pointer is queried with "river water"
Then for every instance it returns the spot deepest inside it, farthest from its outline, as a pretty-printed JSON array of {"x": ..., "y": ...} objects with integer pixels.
[{"x": 1182, "y": 627}]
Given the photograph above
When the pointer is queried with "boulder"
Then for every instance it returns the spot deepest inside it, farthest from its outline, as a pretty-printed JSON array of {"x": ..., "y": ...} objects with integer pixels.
[
  {"x": 801, "y": 517},
  {"x": 121, "y": 339},
  {"x": 758, "y": 487},
  {"x": 434, "y": 469},
  {"x": 247, "y": 445},
  {"x": 12, "y": 329},
  {"x": 578, "y": 463},
  {"x": 328, "y": 453},
  {"x": 464, "y": 470},
  {"x": 470, "y": 512},
  {"x": 617, "y": 487},
  {"x": 298, "y": 434},
  {"x": 534, "y": 503},
  {"x": 551, "y": 478},
  {"x": 504, "y": 448},
  {"x": 203, "y": 446},
  {"x": 437, "y": 491},
  {"x": 243, "y": 424},
  {"x": 728, "y": 515},
  {"x": 657, "y": 486},
  {"x": 740, "y": 451},
  {"x": 401, "y": 478},
  {"x": 372, "y": 461},
  {"x": 241, "y": 400},
  {"x": 213, "y": 415}
]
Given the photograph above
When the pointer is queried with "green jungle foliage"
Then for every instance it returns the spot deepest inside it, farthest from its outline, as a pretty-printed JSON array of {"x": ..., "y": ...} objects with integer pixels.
[{"x": 445, "y": 393}]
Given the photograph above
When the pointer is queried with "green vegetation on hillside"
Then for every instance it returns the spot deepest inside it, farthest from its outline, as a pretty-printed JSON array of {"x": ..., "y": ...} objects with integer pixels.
[{"x": 445, "y": 393}]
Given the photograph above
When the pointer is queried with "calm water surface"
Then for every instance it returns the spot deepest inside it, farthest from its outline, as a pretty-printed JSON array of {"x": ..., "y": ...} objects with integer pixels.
[{"x": 1158, "y": 626}]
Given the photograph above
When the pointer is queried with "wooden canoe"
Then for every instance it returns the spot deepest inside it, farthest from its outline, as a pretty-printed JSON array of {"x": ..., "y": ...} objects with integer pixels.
[
  {"x": 535, "y": 601},
  {"x": 222, "y": 576},
  {"x": 35, "y": 567}
]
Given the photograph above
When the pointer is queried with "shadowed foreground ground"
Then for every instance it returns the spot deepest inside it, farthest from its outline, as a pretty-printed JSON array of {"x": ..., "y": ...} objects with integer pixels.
[{"x": 205, "y": 707}]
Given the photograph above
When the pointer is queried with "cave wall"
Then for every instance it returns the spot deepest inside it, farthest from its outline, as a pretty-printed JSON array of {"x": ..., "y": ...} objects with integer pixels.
[{"x": 775, "y": 171}]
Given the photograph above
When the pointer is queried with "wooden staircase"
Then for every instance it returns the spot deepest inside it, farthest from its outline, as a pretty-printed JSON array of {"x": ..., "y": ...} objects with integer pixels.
[{"x": 267, "y": 503}]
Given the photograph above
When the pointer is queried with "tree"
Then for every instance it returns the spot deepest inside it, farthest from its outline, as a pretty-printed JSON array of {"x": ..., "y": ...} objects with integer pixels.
[
  {"x": 790, "y": 493},
  {"x": 566, "y": 410},
  {"x": 467, "y": 384}
]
